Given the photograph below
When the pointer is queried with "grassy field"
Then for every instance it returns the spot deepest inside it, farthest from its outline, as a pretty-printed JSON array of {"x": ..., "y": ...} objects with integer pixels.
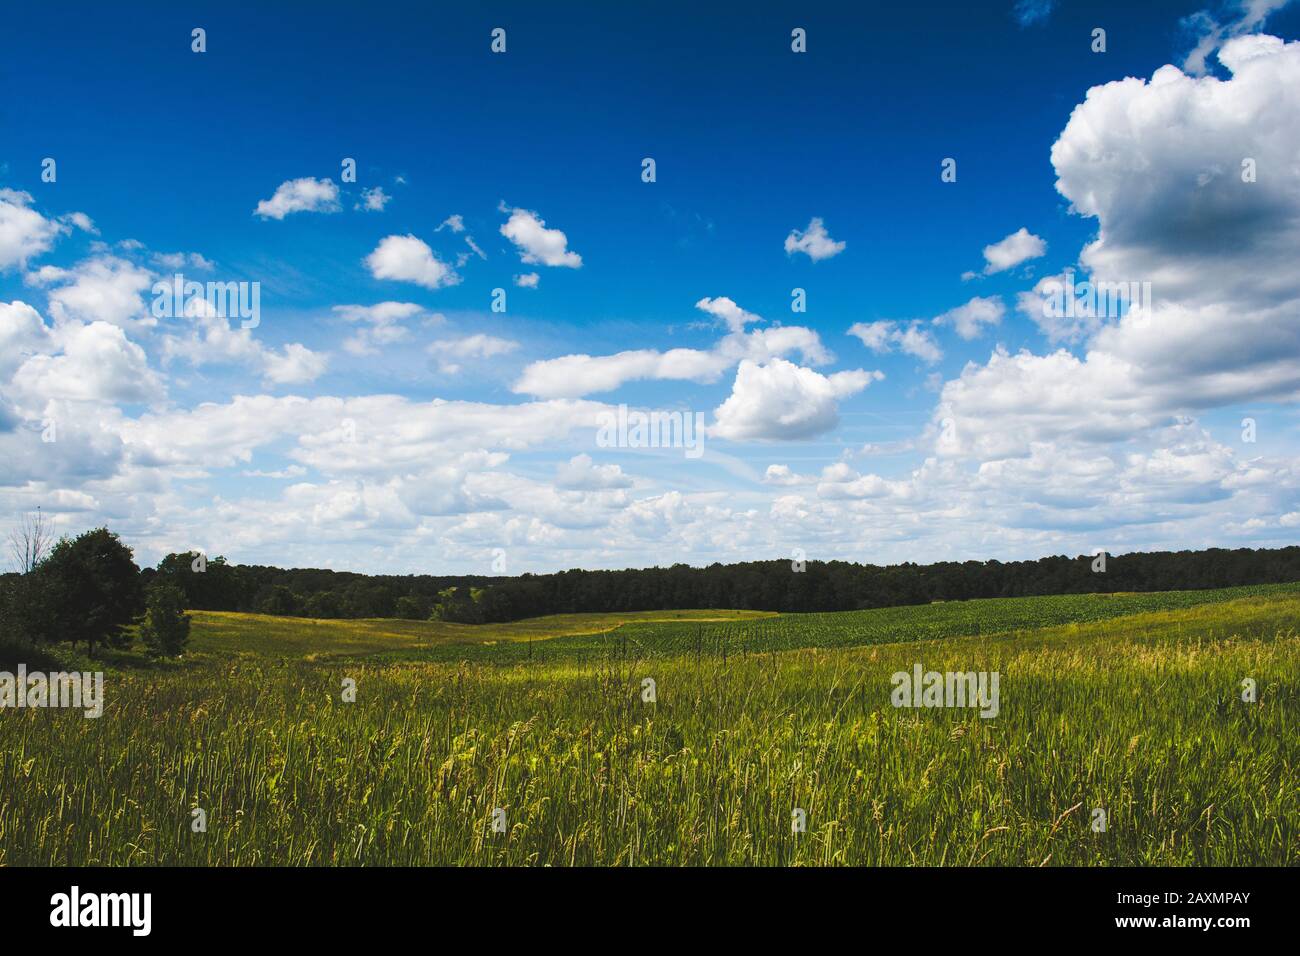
[
  {"x": 1128, "y": 704},
  {"x": 222, "y": 632}
]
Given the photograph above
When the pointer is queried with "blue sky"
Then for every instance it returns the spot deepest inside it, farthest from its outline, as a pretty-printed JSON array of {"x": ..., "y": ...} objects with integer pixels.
[{"x": 440, "y": 434}]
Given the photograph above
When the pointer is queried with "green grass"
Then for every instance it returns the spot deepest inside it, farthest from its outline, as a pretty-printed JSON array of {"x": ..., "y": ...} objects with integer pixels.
[
  {"x": 1138, "y": 714},
  {"x": 891, "y": 625},
  {"x": 223, "y": 632}
]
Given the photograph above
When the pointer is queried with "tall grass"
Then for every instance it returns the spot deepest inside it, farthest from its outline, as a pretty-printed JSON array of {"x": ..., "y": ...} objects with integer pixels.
[{"x": 1140, "y": 716}]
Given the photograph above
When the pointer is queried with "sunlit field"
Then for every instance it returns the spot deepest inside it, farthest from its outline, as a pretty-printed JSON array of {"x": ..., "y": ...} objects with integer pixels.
[{"x": 1128, "y": 704}]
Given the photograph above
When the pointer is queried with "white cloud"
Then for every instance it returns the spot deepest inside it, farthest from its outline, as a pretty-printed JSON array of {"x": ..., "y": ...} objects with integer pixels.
[
  {"x": 574, "y": 375},
  {"x": 1247, "y": 17},
  {"x": 24, "y": 233},
  {"x": 374, "y": 200},
  {"x": 885, "y": 336},
  {"x": 1021, "y": 246},
  {"x": 998, "y": 409},
  {"x": 295, "y": 364},
  {"x": 378, "y": 325},
  {"x": 1046, "y": 306},
  {"x": 726, "y": 309},
  {"x": 580, "y": 474},
  {"x": 814, "y": 242},
  {"x": 968, "y": 319},
  {"x": 784, "y": 401},
  {"x": 176, "y": 261},
  {"x": 96, "y": 362},
  {"x": 455, "y": 222},
  {"x": 22, "y": 334},
  {"x": 877, "y": 336},
  {"x": 408, "y": 259},
  {"x": 529, "y": 280},
  {"x": 782, "y": 475},
  {"x": 104, "y": 288},
  {"x": 916, "y": 341},
  {"x": 450, "y": 352},
  {"x": 1223, "y": 323},
  {"x": 81, "y": 221},
  {"x": 212, "y": 340},
  {"x": 300, "y": 195},
  {"x": 536, "y": 243}
]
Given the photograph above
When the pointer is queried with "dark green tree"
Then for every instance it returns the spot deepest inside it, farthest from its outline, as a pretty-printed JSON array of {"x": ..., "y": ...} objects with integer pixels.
[
  {"x": 278, "y": 599},
  {"x": 165, "y": 629},
  {"x": 91, "y": 590}
]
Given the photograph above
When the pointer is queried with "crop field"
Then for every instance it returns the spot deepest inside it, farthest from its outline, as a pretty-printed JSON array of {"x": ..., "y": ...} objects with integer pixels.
[
  {"x": 657, "y": 634},
  {"x": 1127, "y": 706}
]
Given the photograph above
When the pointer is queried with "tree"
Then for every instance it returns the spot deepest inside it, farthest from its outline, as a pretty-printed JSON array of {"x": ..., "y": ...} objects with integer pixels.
[
  {"x": 413, "y": 607},
  {"x": 278, "y": 599},
  {"x": 166, "y": 627},
  {"x": 324, "y": 604},
  {"x": 209, "y": 584},
  {"x": 29, "y": 541},
  {"x": 25, "y": 609},
  {"x": 93, "y": 590}
]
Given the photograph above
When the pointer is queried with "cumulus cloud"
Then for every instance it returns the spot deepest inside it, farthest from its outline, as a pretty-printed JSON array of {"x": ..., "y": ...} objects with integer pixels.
[
  {"x": 377, "y": 325},
  {"x": 575, "y": 375},
  {"x": 783, "y": 476},
  {"x": 529, "y": 280},
  {"x": 1218, "y": 251},
  {"x": 1059, "y": 319},
  {"x": 538, "y": 244},
  {"x": 451, "y": 352},
  {"x": 910, "y": 338},
  {"x": 1021, "y": 246},
  {"x": 784, "y": 401},
  {"x": 104, "y": 288},
  {"x": 581, "y": 474},
  {"x": 95, "y": 362},
  {"x": 408, "y": 259},
  {"x": 24, "y": 232},
  {"x": 1223, "y": 321},
  {"x": 374, "y": 200},
  {"x": 968, "y": 320},
  {"x": 295, "y": 364},
  {"x": 212, "y": 340},
  {"x": 814, "y": 242},
  {"x": 22, "y": 334},
  {"x": 300, "y": 195},
  {"x": 1000, "y": 408},
  {"x": 733, "y": 316}
]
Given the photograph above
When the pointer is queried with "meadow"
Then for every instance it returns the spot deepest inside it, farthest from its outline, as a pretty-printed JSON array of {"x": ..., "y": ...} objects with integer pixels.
[{"x": 1127, "y": 704}]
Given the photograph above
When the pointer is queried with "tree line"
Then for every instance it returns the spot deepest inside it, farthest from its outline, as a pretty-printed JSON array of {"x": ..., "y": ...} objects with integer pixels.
[{"x": 89, "y": 589}]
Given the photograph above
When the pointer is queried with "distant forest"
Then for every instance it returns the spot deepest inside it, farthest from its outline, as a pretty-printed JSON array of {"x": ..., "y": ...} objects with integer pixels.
[{"x": 754, "y": 585}]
